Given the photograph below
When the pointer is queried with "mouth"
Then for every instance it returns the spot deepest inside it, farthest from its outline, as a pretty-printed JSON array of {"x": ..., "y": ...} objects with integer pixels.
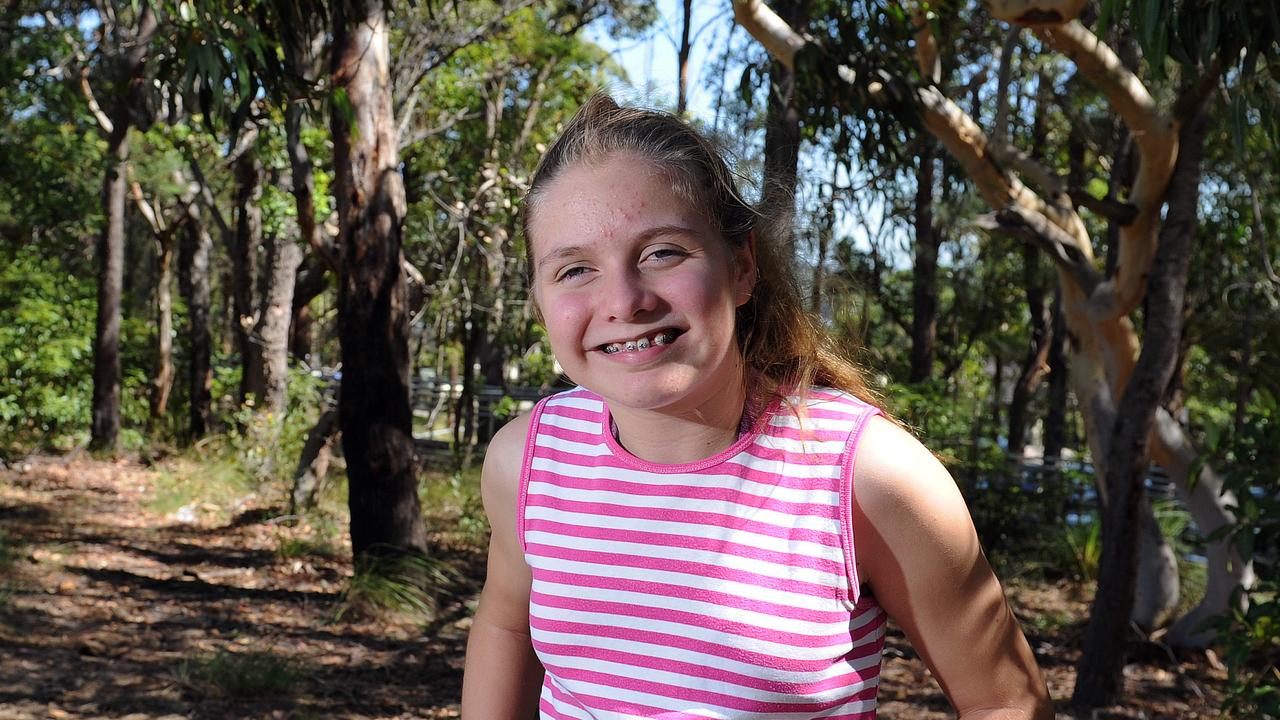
[{"x": 666, "y": 336}]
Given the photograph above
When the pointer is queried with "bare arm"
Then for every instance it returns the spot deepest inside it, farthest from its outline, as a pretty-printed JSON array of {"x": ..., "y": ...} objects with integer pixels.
[
  {"x": 502, "y": 676},
  {"x": 917, "y": 548}
]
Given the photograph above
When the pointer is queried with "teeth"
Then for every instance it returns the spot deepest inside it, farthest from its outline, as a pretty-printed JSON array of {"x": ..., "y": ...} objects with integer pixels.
[{"x": 661, "y": 338}]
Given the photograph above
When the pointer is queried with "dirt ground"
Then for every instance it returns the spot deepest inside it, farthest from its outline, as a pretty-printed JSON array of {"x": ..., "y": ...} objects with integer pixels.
[{"x": 111, "y": 610}]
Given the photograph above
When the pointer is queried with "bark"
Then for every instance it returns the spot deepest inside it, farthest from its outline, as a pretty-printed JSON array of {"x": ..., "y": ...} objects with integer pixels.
[
  {"x": 162, "y": 382},
  {"x": 1099, "y": 679},
  {"x": 244, "y": 264},
  {"x": 682, "y": 59},
  {"x": 313, "y": 465},
  {"x": 782, "y": 141},
  {"x": 268, "y": 376},
  {"x": 105, "y": 432},
  {"x": 196, "y": 248},
  {"x": 312, "y": 280},
  {"x": 924, "y": 276},
  {"x": 1036, "y": 360},
  {"x": 374, "y": 413},
  {"x": 1055, "y": 421}
]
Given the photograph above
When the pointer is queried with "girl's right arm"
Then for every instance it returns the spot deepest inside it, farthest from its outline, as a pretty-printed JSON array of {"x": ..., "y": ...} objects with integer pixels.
[{"x": 502, "y": 677}]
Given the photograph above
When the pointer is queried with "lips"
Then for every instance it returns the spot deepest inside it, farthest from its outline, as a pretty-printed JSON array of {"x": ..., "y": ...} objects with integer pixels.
[{"x": 643, "y": 342}]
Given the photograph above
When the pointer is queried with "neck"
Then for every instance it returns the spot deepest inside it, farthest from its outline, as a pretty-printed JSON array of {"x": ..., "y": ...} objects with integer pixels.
[{"x": 682, "y": 436}]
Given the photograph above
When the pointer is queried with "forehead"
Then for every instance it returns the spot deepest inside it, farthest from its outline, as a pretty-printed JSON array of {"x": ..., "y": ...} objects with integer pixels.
[{"x": 607, "y": 199}]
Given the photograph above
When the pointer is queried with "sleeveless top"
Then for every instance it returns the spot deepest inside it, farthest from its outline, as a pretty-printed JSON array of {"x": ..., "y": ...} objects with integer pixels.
[{"x": 723, "y": 588}]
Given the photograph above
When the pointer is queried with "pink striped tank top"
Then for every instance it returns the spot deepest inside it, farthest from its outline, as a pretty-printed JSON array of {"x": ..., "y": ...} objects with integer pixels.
[{"x": 724, "y": 588}]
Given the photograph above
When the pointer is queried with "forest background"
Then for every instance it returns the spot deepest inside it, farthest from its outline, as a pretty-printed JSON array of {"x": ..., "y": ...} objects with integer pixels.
[{"x": 231, "y": 252}]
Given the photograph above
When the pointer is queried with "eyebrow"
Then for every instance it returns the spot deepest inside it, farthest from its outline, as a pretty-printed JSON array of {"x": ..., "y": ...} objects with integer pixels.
[{"x": 647, "y": 234}]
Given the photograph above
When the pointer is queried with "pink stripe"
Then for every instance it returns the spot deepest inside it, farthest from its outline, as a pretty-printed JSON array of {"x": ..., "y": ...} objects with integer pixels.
[
  {"x": 839, "y": 643},
  {"x": 691, "y": 695},
  {"x": 739, "y": 498},
  {"x": 691, "y": 542},
  {"x": 682, "y": 567},
  {"x": 730, "y": 600},
  {"x": 691, "y": 517},
  {"x": 548, "y": 434},
  {"x": 761, "y": 452},
  {"x": 577, "y": 462},
  {"x": 522, "y": 495},
  {"x": 681, "y": 617},
  {"x": 705, "y": 647},
  {"x": 854, "y": 589},
  {"x": 705, "y": 672},
  {"x": 809, "y": 432}
]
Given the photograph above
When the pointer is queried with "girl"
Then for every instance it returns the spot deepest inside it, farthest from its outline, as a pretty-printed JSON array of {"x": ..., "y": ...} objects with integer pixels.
[{"x": 715, "y": 523}]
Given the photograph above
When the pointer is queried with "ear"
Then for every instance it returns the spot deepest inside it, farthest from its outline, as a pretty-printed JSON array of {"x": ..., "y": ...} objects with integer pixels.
[{"x": 746, "y": 271}]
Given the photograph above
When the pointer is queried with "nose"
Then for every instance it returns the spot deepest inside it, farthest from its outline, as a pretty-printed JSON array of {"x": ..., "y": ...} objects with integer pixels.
[{"x": 627, "y": 296}]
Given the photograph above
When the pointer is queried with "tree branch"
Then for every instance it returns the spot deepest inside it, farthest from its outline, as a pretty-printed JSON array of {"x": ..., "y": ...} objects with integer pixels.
[
  {"x": 1120, "y": 213},
  {"x": 1038, "y": 231}
]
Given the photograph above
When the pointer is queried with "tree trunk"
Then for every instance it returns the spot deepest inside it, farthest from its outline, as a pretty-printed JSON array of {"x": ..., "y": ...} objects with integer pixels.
[
  {"x": 162, "y": 383},
  {"x": 1099, "y": 680},
  {"x": 269, "y": 375},
  {"x": 682, "y": 60},
  {"x": 924, "y": 276},
  {"x": 782, "y": 140},
  {"x": 244, "y": 264},
  {"x": 1055, "y": 420},
  {"x": 194, "y": 281},
  {"x": 105, "y": 433},
  {"x": 374, "y": 413},
  {"x": 314, "y": 463},
  {"x": 1033, "y": 365}
]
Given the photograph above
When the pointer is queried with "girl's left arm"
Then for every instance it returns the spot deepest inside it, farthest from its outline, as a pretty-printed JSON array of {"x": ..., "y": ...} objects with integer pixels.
[{"x": 917, "y": 549}]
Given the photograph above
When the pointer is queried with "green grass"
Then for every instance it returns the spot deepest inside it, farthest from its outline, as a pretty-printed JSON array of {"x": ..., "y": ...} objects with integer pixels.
[
  {"x": 197, "y": 480},
  {"x": 240, "y": 676},
  {"x": 405, "y": 586},
  {"x": 452, "y": 505}
]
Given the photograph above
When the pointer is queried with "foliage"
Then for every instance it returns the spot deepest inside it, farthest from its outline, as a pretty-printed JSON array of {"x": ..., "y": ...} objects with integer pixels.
[
  {"x": 240, "y": 675},
  {"x": 1250, "y": 633},
  {"x": 46, "y": 357},
  {"x": 398, "y": 584}
]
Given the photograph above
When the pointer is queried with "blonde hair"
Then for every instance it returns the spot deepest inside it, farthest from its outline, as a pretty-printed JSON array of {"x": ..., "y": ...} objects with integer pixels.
[{"x": 784, "y": 346}]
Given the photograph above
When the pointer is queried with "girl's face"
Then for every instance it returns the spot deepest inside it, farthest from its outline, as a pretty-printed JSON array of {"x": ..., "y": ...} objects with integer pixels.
[{"x": 636, "y": 287}]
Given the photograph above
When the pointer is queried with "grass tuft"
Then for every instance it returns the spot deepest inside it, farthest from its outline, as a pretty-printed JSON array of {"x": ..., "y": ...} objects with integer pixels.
[
  {"x": 401, "y": 585},
  {"x": 240, "y": 676}
]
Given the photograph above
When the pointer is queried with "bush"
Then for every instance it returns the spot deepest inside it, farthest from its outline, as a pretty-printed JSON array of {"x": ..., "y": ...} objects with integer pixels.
[{"x": 240, "y": 676}]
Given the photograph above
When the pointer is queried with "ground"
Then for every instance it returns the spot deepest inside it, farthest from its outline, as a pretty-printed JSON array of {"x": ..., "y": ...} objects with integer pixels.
[{"x": 113, "y": 607}]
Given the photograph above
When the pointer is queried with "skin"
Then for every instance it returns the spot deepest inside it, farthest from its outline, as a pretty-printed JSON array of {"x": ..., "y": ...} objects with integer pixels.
[{"x": 623, "y": 257}]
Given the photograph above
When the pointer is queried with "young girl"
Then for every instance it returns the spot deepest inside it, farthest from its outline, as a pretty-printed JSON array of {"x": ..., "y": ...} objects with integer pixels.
[{"x": 715, "y": 523}]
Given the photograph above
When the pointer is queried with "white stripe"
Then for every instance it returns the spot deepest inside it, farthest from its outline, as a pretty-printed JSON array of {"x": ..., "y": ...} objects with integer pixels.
[
  {"x": 569, "y": 446},
  {"x": 579, "y": 402},
  {"x": 729, "y": 560},
  {"x": 778, "y": 597},
  {"x": 687, "y": 505},
  {"x": 574, "y": 424},
  {"x": 699, "y": 480},
  {"x": 703, "y": 709},
  {"x": 825, "y": 447},
  {"x": 562, "y": 707},
  {"x": 750, "y": 618},
  {"x": 678, "y": 654},
  {"x": 792, "y": 422},
  {"x": 669, "y": 527},
  {"x": 681, "y": 680}
]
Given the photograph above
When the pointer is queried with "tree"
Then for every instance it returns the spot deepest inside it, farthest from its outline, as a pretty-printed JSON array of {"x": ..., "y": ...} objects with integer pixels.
[
  {"x": 1097, "y": 307},
  {"x": 374, "y": 413}
]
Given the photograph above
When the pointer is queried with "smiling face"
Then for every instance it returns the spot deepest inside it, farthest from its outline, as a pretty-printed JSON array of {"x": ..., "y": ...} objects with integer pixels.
[{"x": 637, "y": 288}]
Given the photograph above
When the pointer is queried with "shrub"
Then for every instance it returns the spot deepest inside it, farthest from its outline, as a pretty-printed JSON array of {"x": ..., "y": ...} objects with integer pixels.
[{"x": 240, "y": 676}]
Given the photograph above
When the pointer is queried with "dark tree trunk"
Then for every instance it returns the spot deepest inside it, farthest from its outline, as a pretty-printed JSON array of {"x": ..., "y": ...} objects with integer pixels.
[
  {"x": 162, "y": 383},
  {"x": 1099, "y": 681},
  {"x": 268, "y": 377},
  {"x": 1033, "y": 365},
  {"x": 105, "y": 433},
  {"x": 194, "y": 280},
  {"x": 782, "y": 137},
  {"x": 244, "y": 264},
  {"x": 682, "y": 59},
  {"x": 373, "y": 327},
  {"x": 924, "y": 276},
  {"x": 1055, "y": 420},
  {"x": 313, "y": 279}
]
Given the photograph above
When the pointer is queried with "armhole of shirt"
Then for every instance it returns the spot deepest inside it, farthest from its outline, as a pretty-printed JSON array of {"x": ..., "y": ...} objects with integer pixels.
[
  {"x": 526, "y": 462},
  {"x": 846, "y": 505}
]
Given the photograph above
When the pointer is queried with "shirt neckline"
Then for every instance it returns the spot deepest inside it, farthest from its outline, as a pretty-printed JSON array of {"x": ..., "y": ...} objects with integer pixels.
[{"x": 625, "y": 456}]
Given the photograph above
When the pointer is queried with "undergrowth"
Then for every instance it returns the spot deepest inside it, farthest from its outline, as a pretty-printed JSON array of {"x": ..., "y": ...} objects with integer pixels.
[{"x": 240, "y": 676}]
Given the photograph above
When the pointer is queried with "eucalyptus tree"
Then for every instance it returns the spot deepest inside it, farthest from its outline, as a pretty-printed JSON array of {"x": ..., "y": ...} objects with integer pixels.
[{"x": 1118, "y": 388}]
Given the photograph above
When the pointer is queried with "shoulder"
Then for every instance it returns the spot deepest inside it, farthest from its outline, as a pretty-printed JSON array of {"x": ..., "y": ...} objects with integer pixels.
[
  {"x": 505, "y": 454},
  {"x": 899, "y": 486}
]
